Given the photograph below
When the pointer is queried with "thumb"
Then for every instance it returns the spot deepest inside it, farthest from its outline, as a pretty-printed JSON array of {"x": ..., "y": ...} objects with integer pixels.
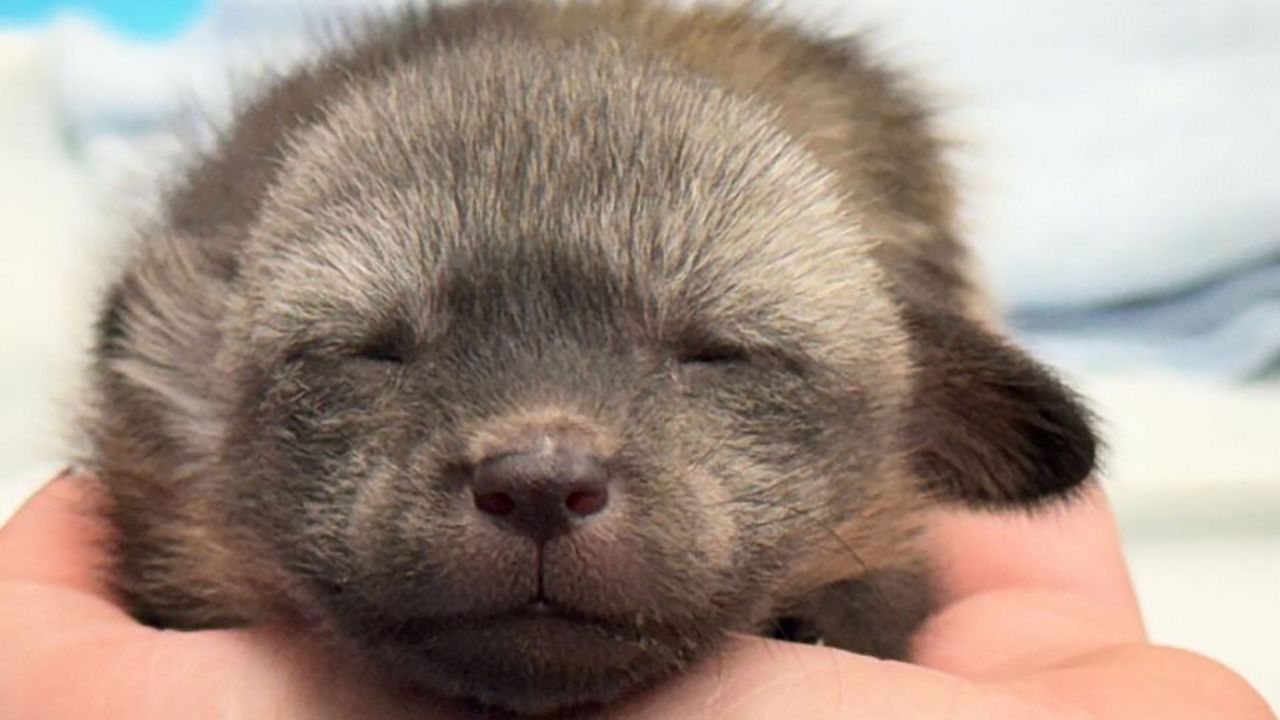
[
  {"x": 759, "y": 679},
  {"x": 56, "y": 538},
  {"x": 69, "y": 651}
]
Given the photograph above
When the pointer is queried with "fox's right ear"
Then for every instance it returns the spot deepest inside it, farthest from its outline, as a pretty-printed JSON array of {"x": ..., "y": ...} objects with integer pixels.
[{"x": 988, "y": 425}]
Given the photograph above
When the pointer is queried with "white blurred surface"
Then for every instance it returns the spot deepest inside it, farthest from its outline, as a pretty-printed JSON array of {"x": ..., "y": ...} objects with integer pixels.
[
  {"x": 1216, "y": 594},
  {"x": 1134, "y": 137},
  {"x": 48, "y": 232}
]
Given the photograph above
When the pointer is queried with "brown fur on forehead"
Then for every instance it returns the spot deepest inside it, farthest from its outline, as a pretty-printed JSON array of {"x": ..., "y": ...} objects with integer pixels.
[
  {"x": 862, "y": 120},
  {"x": 467, "y": 161}
]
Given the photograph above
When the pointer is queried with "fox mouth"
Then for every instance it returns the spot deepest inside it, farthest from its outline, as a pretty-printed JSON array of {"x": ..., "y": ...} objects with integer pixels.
[
  {"x": 534, "y": 656},
  {"x": 520, "y": 650},
  {"x": 538, "y": 617}
]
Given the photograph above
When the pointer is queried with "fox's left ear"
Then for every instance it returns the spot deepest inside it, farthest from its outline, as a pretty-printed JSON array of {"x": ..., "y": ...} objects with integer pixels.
[{"x": 987, "y": 425}]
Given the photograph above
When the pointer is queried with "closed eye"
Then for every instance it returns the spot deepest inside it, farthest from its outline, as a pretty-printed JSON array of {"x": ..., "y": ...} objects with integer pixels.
[
  {"x": 712, "y": 354},
  {"x": 707, "y": 350},
  {"x": 382, "y": 352},
  {"x": 390, "y": 346}
]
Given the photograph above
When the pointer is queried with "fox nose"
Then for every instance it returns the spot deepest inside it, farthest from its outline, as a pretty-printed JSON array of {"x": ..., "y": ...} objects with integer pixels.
[{"x": 541, "y": 494}]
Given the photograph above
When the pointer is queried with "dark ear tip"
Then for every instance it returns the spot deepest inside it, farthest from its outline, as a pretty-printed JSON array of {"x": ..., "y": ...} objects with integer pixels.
[
  {"x": 1046, "y": 454},
  {"x": 990, "y": 426},
  {"x": 1069, "y": 446},
  {"x": 1061, "y": 446}
]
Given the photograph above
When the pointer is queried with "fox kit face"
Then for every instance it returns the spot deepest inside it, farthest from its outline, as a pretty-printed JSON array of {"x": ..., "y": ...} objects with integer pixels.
[
  {"x": 584, "y": 419},
  {"x": 540, "y": 368}
]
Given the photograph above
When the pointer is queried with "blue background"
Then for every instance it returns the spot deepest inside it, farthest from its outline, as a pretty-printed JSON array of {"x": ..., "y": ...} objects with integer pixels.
[{"x": 143, "y": 19}]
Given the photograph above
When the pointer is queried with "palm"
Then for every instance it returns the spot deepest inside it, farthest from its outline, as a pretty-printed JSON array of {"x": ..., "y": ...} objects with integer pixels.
[{"x": 1041, "y": 609}]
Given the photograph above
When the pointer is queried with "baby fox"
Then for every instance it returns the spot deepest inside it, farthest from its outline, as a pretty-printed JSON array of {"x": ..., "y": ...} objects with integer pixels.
[{"x": 525, "y": 349}]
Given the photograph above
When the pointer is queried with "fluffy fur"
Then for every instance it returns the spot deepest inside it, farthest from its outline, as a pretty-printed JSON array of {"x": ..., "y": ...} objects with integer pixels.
[{"x": 701, "y": 245}]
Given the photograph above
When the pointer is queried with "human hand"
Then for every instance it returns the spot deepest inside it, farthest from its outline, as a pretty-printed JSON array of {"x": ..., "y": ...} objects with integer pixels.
[
  {"x": 1040, "y": 623},
  {"x": 68, "y": 651}
]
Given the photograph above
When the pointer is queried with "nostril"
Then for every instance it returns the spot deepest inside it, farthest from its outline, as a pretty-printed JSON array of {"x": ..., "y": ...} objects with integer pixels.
[
  {"x": 498, "y": 504},
  {"x": 587, "y": 501},
  {"x": 541, "y": 494}
]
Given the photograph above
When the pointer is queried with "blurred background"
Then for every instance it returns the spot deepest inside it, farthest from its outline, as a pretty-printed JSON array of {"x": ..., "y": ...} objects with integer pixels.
[{"x": 1121, "y": 161}]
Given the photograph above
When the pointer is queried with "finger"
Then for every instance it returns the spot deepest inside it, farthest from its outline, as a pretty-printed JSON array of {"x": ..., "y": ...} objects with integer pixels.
[
  {"x": 68, "y": 651},
  {"x": 759, "y": 679},
  {"x": 62, "y": 657},
  {"x": 257, "y": 673},
  {"x": 56, "y": 538},
  {"x": 1025, "y": 590},
  {"x": 1072, "y": 546},
  {"x": 1003, "y": 633},
  {"x": 1140, "y": 681}
]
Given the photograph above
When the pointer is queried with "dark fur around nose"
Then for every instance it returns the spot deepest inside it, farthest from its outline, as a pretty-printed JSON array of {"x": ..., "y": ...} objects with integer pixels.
[{"x": 543, "y": 493}]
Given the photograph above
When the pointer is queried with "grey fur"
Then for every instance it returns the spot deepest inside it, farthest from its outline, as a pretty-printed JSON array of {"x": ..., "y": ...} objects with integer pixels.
[{"x": 711, "y": 249}]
